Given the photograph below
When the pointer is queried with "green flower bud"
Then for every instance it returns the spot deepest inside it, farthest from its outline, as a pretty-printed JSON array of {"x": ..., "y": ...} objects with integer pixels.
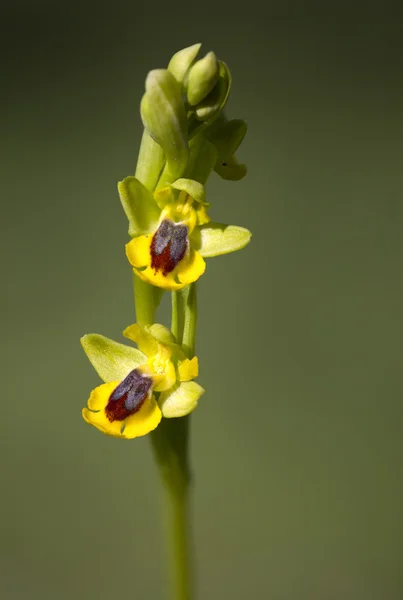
[
  {"x": 163, "y": 115},
  {"x": 217, "y": 98},
  {"x": 202, "y": 78},
  {"x": 181, "y": 62}
]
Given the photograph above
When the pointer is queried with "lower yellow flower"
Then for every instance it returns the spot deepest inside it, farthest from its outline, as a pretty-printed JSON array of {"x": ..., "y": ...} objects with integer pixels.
[{"x": 141, "y": 386}]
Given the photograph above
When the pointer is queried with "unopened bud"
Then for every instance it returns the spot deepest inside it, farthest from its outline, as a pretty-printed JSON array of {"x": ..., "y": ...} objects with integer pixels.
[
  {"x": 202, "y": 78},
  {"x": 217, "y": 98},
  {"x": 181, "y": 62}
]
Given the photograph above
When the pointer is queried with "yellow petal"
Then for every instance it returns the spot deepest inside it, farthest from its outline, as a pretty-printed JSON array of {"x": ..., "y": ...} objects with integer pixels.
[
  {"x": 202, "y": 216},
  {"x": 161, "y": 369},
  {"x": 144, "y": 340},
  {"x": 164, "y": 196},
  {"x": 191, "y": 267},
  {"x": 99, "y": 397},
  {"x": 100, "y": 421},
  {"x": 188, "y": 270},
  {"x": 97, "y": 401},
  {"x": 138, "y": 251},
  {"x": 166, "y": 282},
  {"x": 181, "y": 213},
  {"x": 188, "y": 369},
  {"x": 144, "y": 420}
]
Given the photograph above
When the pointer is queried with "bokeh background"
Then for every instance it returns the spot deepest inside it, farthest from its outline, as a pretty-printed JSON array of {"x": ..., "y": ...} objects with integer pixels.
[{"x": 297, "y": 445}]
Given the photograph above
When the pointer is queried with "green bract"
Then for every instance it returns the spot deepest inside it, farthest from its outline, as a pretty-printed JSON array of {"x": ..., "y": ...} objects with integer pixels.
[{"x": 163, "y": 114}]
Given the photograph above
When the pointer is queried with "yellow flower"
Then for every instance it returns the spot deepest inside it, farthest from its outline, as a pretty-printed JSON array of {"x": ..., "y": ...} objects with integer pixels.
[
  {"x": 140, "y": 385},
  {"x": 172, "y": 232}
]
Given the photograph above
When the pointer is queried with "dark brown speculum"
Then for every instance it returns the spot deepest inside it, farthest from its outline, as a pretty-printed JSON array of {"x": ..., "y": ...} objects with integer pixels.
[
  {"x": 168, "y": 246},
  {"x": 128, "y": 397}
]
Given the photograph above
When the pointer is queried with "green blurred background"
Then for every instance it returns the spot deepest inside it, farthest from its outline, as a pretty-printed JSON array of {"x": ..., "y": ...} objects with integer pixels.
[{"x": 297, "y": 444}]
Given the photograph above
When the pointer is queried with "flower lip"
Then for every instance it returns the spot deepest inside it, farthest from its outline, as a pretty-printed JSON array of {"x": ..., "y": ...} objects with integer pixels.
[
  {"x": 128, "y": 397},
  {"x": 168, "y": 246}
]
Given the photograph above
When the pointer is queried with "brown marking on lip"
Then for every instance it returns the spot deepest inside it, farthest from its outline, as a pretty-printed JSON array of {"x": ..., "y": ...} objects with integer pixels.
[
  {"x": 128, "y": 397},
  {"x": 168, "y": 246}
]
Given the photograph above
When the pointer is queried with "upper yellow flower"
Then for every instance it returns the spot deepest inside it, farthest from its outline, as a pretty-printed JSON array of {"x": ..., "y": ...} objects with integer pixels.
[
  {"x": 125, "y": 405},
  {"x": 172, "y": 232}
]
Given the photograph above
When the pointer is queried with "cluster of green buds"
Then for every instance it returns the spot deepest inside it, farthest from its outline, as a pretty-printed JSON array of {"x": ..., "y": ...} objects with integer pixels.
[{"x": 186, "y": 137}]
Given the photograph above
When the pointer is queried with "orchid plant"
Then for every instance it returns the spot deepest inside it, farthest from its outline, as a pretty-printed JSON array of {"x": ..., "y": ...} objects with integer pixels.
[{"x": 151, "y": 389}]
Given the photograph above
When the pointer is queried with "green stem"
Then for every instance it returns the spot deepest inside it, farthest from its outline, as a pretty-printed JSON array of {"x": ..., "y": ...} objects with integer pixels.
[
  {"x": 170, "y": 439},
  {"x": 176, "y": 326},
  {"x": 170, "y": 448},
  {"x": 190, "y": 320},
  {"x": 170, "y": 445},
  {"x": 146, "y": 301},
  {"x": 178, "y": 314}
]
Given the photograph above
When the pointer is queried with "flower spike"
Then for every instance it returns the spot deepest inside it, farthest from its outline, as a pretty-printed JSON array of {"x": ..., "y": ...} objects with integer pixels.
[{"x": 186, "y": 137}]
